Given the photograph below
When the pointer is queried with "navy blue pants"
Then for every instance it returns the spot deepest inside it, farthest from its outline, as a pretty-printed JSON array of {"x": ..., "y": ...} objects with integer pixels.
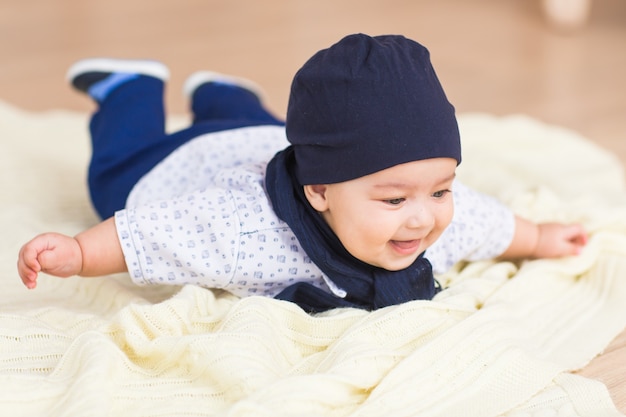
[{"x": 129, "y": 139}]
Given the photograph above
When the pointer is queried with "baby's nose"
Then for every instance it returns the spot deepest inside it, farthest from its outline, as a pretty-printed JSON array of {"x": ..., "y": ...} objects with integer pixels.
[{"x": 421, "y": 218}]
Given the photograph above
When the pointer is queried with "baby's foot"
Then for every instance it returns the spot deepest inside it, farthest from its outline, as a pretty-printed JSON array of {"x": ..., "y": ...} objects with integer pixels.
[{"x": 97, "y": 77}]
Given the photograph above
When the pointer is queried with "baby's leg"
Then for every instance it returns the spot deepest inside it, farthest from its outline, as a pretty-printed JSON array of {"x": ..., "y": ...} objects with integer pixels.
[
  {"x": 221, "y": 98},
  {"x": 129, "y": 121}
]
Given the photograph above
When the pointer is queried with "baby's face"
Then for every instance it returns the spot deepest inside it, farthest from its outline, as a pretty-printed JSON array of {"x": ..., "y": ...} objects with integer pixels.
[{"x": 388, "y": 218}]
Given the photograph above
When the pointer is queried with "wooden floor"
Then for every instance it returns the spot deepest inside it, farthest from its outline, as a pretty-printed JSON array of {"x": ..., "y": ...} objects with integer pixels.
[{"x": 496, "y": 56}]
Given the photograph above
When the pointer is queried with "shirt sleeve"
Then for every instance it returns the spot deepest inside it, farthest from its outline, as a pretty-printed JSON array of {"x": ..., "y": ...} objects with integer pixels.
[
  {"x": 191, "y": 239},
  {"x": 481, "y": 228}
]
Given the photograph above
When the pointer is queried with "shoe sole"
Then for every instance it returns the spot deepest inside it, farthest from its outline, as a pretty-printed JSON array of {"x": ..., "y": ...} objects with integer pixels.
[
  {"x": 144, "y": 67},
  {"x": 196, "y": 79}
]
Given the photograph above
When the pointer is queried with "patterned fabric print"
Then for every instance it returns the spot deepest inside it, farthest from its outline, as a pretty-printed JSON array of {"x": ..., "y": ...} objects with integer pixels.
[
  {"x": 222, "y": 235},
  {"x": 202, "y": 217},
  {"x": 194, "y": 165}
]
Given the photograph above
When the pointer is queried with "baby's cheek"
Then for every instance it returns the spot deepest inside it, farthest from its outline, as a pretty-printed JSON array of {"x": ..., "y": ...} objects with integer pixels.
[
  {"x": 442, "y": 222},
  {"x": 446, "y": 213}
]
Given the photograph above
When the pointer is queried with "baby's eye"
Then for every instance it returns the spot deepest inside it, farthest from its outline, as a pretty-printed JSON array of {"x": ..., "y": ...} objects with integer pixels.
[
  {"x": 440, "y": 194},
  {"x": 395, "y": 201}
]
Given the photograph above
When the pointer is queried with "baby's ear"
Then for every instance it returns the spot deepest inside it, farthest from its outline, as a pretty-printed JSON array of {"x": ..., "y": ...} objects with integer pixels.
[{"x": 316, "y": 194}]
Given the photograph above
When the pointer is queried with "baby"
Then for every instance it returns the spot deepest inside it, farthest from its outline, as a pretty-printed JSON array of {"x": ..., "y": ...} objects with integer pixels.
[{"x": 352, "y": 202}]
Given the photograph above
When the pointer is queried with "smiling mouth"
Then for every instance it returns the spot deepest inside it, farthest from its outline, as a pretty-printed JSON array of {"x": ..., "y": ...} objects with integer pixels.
[{"x": 406, "y": 247}]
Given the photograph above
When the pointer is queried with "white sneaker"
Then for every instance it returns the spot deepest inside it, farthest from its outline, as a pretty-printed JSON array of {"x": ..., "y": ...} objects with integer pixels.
[{"x": 195, "y": 80}]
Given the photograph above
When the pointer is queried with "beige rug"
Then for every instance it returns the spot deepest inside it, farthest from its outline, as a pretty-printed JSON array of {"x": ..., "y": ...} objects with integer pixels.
[{"x": 503, "y": 340}]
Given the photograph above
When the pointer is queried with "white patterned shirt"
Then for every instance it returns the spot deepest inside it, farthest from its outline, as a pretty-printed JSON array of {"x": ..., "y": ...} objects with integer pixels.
[{"x": 202, "y": 216}]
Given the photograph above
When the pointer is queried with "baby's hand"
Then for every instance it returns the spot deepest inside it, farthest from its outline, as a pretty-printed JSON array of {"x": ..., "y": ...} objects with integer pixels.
[
  {"x": 556, "y": 240},
  {"x": 52, "y": 253}
]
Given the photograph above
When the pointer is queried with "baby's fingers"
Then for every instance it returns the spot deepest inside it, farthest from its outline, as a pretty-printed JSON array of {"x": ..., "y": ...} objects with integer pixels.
[
  {"x": 576, "y": 237},
  {"x": 30, "y": 280},
  {"x": 28, "y": 266}
]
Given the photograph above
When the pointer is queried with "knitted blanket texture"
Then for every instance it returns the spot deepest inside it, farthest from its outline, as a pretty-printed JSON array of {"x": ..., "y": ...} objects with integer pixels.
[{"x": 503, "y": 340}]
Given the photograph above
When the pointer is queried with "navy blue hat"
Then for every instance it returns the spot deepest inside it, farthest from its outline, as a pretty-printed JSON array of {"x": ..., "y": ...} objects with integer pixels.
[{"x": 366, "y": 104}]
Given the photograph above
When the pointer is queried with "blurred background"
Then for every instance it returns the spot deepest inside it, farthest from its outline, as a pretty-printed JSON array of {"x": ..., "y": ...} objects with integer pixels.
[{"x": 495, "y": 56}]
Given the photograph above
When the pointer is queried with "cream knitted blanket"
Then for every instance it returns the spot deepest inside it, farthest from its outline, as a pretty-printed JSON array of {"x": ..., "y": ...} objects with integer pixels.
[{"x": 501, "y": 341}]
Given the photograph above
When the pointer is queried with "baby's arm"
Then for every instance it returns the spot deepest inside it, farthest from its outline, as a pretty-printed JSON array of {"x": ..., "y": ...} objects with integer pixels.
[
  {"x": 545, "y": 240},
  {"x": 94, "y": 252}
]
